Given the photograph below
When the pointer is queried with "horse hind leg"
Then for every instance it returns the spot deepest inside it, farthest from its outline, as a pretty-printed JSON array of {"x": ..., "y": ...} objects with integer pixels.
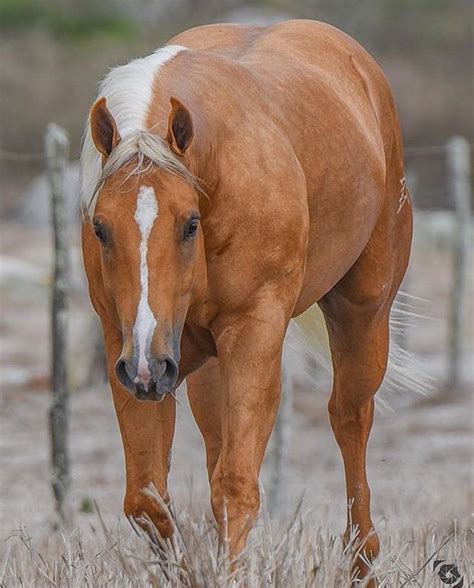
[
  {"x": 357, "y": 314},
  {"x": 359, "y": 346}
]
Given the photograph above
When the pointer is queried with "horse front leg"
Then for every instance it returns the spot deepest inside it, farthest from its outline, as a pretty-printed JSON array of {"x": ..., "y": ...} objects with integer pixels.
[
  {"x": 249, "y": 350},
  {"x": 205, "y": 394},
  {"x": 147, "y": 430}
]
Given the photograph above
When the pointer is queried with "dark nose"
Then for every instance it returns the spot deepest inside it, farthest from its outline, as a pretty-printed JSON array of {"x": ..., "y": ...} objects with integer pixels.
[
  {"x": 142, "y": 388},
  {"x": 124, "y": 374},
  {"x": 165, "y": 373}
]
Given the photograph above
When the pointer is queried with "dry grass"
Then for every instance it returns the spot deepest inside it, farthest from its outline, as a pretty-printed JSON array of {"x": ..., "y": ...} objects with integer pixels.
[
  {"x": 418, "y": 461},
  {"x": 302, "y": 553}
]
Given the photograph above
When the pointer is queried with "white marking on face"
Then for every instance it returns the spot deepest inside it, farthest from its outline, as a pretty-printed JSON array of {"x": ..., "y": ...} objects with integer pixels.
[
  {"x": 145, "y": 322},
  {"x": 129, "y": 93}
]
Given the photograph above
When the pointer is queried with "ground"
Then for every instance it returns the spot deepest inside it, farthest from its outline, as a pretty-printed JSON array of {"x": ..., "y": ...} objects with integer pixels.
[{"x": 418, "y": 459}]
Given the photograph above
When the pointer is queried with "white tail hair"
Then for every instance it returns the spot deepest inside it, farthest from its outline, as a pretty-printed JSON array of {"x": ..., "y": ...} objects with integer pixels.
[{"x": 308, "y": 335}]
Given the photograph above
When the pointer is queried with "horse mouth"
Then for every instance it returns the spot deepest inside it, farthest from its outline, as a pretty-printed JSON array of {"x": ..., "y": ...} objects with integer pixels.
[{"x": 153, "y": 394}]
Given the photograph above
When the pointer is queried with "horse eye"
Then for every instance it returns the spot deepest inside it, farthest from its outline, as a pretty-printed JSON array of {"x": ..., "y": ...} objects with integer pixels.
[
  {"x": 191, "y": 229},
  {"x": 100, "y": 233}
]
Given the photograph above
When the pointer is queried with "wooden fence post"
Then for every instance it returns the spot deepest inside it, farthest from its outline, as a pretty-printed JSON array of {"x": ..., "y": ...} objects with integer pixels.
[
  {"x": 459, "y": 162},
  {"x": 57, "y": 151},
  {"x": 282, "y": 433}
]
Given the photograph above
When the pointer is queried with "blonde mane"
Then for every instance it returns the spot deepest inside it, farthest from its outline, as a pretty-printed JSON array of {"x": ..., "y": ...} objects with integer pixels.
[
  {"x": 128, "y": 90},
  {"x": 145, "y": 150}
]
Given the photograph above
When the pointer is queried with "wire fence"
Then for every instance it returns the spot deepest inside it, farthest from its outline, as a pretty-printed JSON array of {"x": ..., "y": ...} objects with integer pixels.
[
  {"x": 455, "y": 159},
  {"x": 24, "y": 156},
  {"x": 426, "y": 171}
]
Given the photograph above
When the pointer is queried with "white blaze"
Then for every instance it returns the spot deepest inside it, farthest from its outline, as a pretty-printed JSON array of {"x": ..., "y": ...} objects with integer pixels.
[
  {"x": 129, "y": 93},
  {"x": 145, "y": 322}
]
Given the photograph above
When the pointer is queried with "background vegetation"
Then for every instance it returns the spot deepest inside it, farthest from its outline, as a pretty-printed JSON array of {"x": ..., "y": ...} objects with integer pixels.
[{"x": 53, "y": 53}]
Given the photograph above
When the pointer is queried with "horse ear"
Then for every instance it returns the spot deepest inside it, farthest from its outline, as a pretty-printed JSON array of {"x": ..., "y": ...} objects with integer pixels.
[
  {"x": 180, "y": 132},
  {"x": 103, "y": 128}
]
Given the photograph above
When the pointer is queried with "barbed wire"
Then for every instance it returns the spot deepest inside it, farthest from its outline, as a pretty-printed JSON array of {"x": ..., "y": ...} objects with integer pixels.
[
  {"x": 27, "y": 157},
  {"x": 20, "y": 156},
  {"x": 425, "y": 149}
]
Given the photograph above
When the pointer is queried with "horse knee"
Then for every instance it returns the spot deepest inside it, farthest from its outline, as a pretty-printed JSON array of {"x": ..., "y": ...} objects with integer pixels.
[
  {"x": 352, "y": 401},
  {"x": 143, "y": 509},
  {"x": 233, "y": 497},
  {"x": 350, "y": 419}
]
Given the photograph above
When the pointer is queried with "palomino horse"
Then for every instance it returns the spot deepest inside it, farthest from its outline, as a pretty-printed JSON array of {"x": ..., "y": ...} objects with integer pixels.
[{"x": 231, "y": 180}]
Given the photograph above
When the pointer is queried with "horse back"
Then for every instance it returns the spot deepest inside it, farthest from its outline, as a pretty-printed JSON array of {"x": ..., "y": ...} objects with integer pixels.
[
  {"x": 331, "y": 102},
  {"x": 318, "y": 85}
]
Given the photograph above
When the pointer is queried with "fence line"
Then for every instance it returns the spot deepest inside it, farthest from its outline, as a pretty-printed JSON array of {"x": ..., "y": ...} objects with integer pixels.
[
  {"x": 457, "y": 151},
  {"x": 56, "y": 151},
  {"x": 25, "y": 156},
  {"x": 459, "y": 162},
  {"x": 425, "y": 150},
  {"x": 31, "y": 156},
  {"x": 20, "y": 156}
]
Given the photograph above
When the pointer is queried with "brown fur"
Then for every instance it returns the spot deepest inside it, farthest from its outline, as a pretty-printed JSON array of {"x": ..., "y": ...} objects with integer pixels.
[{"x": 297, "y": 145}]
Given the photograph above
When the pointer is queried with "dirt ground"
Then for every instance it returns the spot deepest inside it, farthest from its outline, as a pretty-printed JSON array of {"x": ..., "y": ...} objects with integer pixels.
[{"x": 420, "y": 455}]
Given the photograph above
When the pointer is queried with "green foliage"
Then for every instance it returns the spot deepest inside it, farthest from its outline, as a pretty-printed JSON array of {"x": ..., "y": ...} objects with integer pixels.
[
  {"x": 86, "y": 506},
  {"x": 16, "y": 14},
  {"x": 90, "y": 21}
]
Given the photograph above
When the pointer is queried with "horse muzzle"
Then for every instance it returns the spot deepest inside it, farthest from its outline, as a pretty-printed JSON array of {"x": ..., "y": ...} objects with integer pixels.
[{"x": 150, "y": 380}]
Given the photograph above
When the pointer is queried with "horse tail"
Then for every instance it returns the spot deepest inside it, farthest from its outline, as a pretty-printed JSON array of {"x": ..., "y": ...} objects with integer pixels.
[{"x": 308, "y": 336}]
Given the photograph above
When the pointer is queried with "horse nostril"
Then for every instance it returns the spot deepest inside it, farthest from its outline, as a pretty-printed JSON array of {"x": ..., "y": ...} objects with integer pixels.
[
  {"x": 123, "y": 375},
  {"x": 167, "y": 371}
]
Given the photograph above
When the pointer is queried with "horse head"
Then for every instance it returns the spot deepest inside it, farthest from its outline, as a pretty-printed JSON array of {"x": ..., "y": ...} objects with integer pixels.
[{"x": 145, "y": 216}]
